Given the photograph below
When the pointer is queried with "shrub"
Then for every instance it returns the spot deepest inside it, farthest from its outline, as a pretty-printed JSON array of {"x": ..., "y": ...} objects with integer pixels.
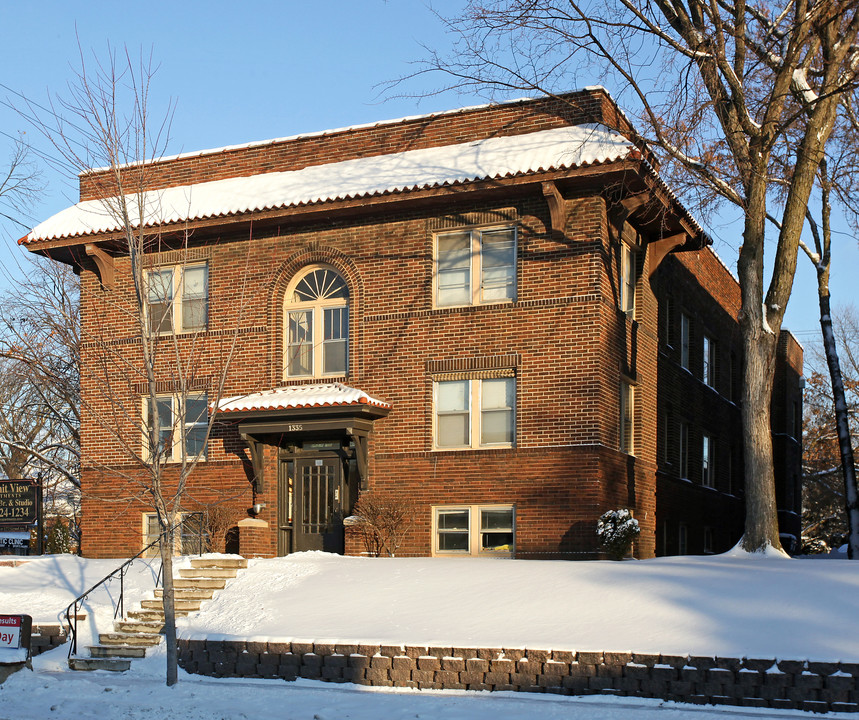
[
  {"x": 383, "y": 519},
  {"x": 616, "y": 530}
]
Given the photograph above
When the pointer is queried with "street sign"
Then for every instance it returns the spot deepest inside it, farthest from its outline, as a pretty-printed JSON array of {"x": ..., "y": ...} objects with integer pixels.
[{"x": 19, "y": 502}]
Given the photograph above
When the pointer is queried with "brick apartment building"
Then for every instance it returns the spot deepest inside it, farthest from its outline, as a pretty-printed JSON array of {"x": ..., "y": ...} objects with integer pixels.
[{"x": 499, "y": 314}]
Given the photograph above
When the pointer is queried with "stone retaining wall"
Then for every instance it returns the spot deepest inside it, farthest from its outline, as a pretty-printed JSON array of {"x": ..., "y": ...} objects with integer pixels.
[
  {"x": 765, "y": 682},
  {"x": 46, "y": 636}
]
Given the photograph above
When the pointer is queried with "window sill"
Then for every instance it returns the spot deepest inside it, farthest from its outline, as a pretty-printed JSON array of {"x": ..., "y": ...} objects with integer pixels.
[{"x": 478, "y": 448}]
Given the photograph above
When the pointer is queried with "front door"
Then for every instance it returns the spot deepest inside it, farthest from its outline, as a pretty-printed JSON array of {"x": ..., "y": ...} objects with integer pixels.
[{"x": 319, "y": 501}]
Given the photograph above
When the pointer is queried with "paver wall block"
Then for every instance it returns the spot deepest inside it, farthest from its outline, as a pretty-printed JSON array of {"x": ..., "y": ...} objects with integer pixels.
[
  {"x": 346, "y": 649},
  {"x": 770, "y": 693},
  {"x": 702, "y": 662},
  {"x": 268, "y": 658},
  {"x": 454, "y": 664},
  {"x": 369, "y": 650},
  {"x": 647, "y": 659},
  {"x": 206, "y": 668},
  {"x": 733, "y": 664},
  {"x": 664, "y": 672},
  {"x": 575, "y": 683},
  {"x": 760, "y": 664},
  {"x": 551, "y": 681},
  {"x": 582, "y": 670},
  {"x": 391, "y": 650},
  {"x": 349, "y": 673},
  {"x": 423, "y": 676},
  {"x": 415, "y": 651},
  {"x": 799, "y": 694},
  {"x": 445, "y": 678},
  {"x": 815, "y": 706},
  {"x": 464, "y": 652},
  {"x": 380, "y": 662},
  {"x": 720, "y": 675},
  {"x": 214, "y": 645},
  {"x": 628, "y": 685},
  {"x": 302, "y": 648},
  {"x": 400, "y": 675},
  {"x": 476, "y": 665},
  {"x": 280, "y": 647},
  {"x": 256, "y": 647},
  {"x": 287, "y": 672},
  {"x": 680, "y": 687},
  {"x": 323, "y": 649},
  {"x": 617, "y": 658},
  {"x": 539, "y": 656},
  {"x": 599, "y": 683},
  {"x": 339, "y": 661},
  {"x": 332, "y": 674},
  {"x": 808, "y": 681},
  {"x": 554, "y": 668},
  {"x": 311, "y": 672},
  {"x": 246, "y": 667},
  {"x": 529, "y": 666},
  {"x": 831, "y": 696},
  {"x": 224, "y": 669},
  {"x": 359, "y": 662},
  {"x": 376, "y": 675},
  {"x": 675, "y": 661},
  {"x": 429, "y": 663},
  {"x": 523, "y": 679},
  {"x": 439, "y": 652},
  {"x": 823, "y": 668},
  {"x": 689, "y": 674},
  {"x": 589, "y": 658},
  {"x": 795, "y": 667},
  {"x": 311, "y": 660},
  {"x": 248, "y": 655},
  {"x": 850, "y": 669},
  {"x": 636, "y": 672},
  {"x": 496, "y": 678},
  {"x": 750, "y": 678},
  {"x": 845, "y": 707},
  {"x": 778, "y": 679},
  {"x": 478, "y": 687},
  {"x": 653, "y": 687},
  {"x": 564, "y": 656},
  {"x": 784, "y": 704},
  {"x": 470, "y": 677},
  {"x": 839, "y": 683},
  {"x": 402, "y": 663},
  {"x": 753, "y": 702}
]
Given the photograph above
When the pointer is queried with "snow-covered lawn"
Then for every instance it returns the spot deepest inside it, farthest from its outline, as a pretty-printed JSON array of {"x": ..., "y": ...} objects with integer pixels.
[{"x": 729, "y": 605}]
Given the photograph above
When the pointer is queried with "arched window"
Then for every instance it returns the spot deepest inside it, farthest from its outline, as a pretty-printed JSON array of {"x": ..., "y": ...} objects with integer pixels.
[{"x": 317, "y": 324}]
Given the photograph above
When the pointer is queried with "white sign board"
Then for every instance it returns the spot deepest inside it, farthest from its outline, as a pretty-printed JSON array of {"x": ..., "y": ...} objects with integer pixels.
[{"x": 10, "y": 631}]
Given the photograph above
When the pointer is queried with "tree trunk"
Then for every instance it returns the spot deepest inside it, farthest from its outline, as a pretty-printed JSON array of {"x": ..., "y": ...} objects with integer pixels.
[
  {"x": 168, "y": 601},
  {"x": 761, "y": 527},
  {"x": 848, "y": 466}
]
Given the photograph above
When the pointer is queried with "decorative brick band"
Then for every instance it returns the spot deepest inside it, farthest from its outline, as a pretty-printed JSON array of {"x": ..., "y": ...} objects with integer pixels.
[{"x": 788, "y": 684}]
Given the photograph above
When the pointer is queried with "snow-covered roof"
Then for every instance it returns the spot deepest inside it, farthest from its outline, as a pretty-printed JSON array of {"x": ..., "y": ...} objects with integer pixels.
[
  {"x": 299, "y": 396},
  {"x": 497, "y": 157}
]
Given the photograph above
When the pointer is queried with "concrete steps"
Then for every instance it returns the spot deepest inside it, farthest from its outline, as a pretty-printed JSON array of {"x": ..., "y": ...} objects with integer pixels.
[{"x": 142, "y": 628}]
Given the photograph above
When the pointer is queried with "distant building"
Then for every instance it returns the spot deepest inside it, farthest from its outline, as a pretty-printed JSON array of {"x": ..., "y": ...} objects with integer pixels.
[{"x": 500, "y": 314}]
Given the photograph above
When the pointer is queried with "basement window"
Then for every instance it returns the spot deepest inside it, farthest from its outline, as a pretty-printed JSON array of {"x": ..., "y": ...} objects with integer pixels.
[{"x": 474, "y": 530}]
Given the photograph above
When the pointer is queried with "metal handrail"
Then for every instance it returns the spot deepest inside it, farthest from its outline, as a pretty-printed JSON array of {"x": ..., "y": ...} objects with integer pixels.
[{"x": 71, "y": 611}]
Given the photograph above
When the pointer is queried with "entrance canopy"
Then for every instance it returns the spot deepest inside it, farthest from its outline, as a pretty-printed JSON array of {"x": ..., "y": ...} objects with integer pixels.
[{"x": 275, "y": 417}]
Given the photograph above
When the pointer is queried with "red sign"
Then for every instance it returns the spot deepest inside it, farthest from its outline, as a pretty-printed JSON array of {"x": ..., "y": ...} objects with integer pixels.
[{"x": 10, "y": 631}]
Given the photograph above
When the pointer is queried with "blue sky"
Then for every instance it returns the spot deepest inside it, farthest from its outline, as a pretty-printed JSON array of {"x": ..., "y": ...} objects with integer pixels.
[{"x": 254, "y": 70}]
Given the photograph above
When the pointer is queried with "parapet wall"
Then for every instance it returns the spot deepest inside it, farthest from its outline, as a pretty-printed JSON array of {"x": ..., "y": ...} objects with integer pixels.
[{"x": 764, "y": 682}]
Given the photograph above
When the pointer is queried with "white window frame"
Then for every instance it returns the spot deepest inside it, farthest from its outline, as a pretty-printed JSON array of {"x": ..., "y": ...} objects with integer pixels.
[
  {"x": 707, "y": 476},
  {"x": 626, "y": 430},
  {"x": 149, "y": 537},
  {"x": 177, "y": 447},
  {"x": 685, "y": 340},
  {"x": 475, "y": 414},
  {"x": 628, "y": 279},
  {"x": 317, "y": 310},
  {"x": 178, "y": 297},
  {"x": 708, "y": 366},
  {"x": 475, "y": 532},
  {"x": 475, "y": 266}
]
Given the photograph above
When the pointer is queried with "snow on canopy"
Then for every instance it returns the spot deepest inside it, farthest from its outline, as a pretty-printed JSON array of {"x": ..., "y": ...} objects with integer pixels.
[
  {"x": 299, "y": 396},
  {"x": 496, "y": 157}
]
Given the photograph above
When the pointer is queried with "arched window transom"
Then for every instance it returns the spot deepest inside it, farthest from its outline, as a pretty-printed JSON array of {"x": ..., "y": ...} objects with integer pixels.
[{"x": 317, "y": 324}]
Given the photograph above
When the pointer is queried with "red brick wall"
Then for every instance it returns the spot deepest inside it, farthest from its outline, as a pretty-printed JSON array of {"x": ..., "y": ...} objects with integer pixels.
[{"x": 365, "y": 141}]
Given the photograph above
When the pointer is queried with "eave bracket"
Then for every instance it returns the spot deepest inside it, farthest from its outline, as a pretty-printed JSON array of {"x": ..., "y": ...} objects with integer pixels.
[{"x": 103, "y": 262}]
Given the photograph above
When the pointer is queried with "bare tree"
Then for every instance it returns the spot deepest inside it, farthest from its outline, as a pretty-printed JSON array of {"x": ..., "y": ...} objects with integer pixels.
[
  {"x": 727, "y": 94},
  {"x": 824, "y": 491},
  {"x": 106, "y": 121}
]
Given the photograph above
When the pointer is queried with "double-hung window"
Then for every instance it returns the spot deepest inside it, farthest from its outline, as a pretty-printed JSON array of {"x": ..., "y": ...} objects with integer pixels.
[
  {"x": 180, "y": 426},
  {"x": 477, "y": 530},
  {"x": 628, "y": 279},
  {"x": 177, "y": 298},
  {"x": 317, "y": 325},
  {"x": 685, "y": 340},
  {"x": 708, "y": 369},
  {"x": 707, "y": 479},
  {"x": 683, "y": 450},
  {"x": 475, "y": 267},
  {"x": 194, "y": 537},
  {"x": 626, "y": 417},
  {"x": 474, "y": 413}
]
